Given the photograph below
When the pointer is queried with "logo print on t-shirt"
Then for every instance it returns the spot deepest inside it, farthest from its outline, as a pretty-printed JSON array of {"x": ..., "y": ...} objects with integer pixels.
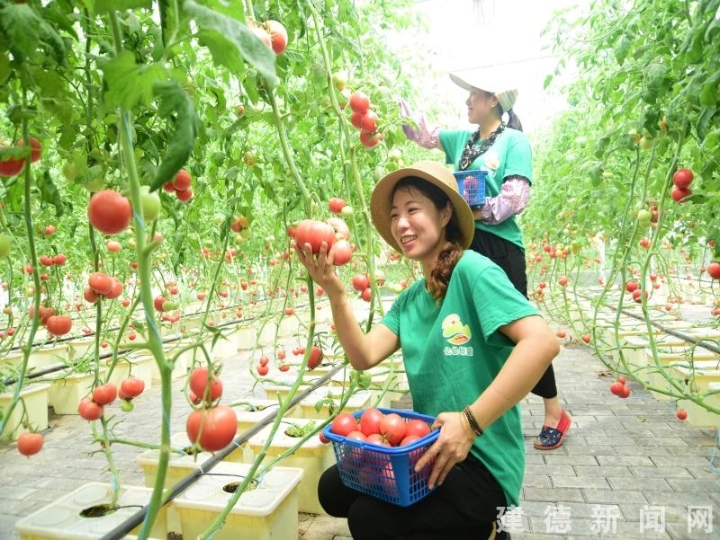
[{"x": 454, "y": 331}]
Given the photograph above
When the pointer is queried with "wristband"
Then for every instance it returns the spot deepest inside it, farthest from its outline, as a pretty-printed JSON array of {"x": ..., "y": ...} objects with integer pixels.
[{"x": 472, "y": 421}]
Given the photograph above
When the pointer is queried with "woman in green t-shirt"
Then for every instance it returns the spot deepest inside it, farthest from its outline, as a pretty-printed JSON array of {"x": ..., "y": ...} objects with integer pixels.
[
  {"x": 472, "y": 347},
  {"x": 502, "y": 150}
]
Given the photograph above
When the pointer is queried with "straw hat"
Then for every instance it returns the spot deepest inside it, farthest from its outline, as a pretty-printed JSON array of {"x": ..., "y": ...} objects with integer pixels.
[
  {"x": 489, "y": 81},
  {"x": 434, "y": 173}
]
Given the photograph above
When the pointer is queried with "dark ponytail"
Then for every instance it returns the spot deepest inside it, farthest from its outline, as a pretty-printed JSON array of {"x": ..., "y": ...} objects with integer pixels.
[
  {"x": 441, "y": 273},
  {"x": 513, "y": 120}
]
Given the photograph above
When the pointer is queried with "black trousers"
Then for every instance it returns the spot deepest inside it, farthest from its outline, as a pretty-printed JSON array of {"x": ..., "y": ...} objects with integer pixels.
[
  {"x": 511, "y": 259},
  {"x": 464, "y": 507}
]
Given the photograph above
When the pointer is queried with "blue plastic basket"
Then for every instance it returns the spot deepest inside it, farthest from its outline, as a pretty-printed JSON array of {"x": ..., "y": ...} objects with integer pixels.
[
  {"x": 386, "y": 473},
  {"x": 471, "y": 185}
]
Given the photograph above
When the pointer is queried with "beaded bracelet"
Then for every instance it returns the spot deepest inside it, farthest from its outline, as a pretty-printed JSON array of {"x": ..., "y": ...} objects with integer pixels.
[{"x": 472, "y": 421}]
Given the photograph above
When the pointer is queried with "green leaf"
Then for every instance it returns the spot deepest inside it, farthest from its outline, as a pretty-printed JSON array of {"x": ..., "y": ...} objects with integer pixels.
[
  {"x": 106, "y": 6},
  {"x": 129, "y": 83},
  {"x": 49, "y": 193},
  {"x": 22, "y": 26},
  {"x": 237, "y": 37},
  {"x": 4, "y": 67},
  {"x": 174, "y": 100}
]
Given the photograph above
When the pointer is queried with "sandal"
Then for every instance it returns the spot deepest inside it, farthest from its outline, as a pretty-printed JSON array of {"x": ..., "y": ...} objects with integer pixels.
[{"x": 551, "y": 438}]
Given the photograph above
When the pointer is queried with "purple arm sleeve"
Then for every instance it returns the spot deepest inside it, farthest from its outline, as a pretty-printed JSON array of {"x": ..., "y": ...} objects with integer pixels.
[{"x": 511, "y": 201}]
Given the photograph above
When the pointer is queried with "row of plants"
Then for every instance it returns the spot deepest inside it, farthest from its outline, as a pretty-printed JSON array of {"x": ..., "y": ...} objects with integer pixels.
[{"x": 156, "y": 159}]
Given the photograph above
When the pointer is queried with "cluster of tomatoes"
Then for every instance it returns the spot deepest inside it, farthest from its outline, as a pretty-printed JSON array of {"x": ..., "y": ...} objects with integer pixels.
[
  {"x": 180, "y": 186},
  {"x": 93, "y": 407},
  {"x": 637, "y": 293},
  {"x": 378, "y": 428},
  {"x": 681, "y": 184},
  {"x": 56, "y": 325},
  {"x": 364, "y": 119},
  {"x": 102, "y": 285},
  {"x": 273, "y": 34},
  {"x": 361, "y": 283},
  {"x": 334, "y": 232},
  {"x": 620, "y": 388},
  {"x": 10, "y": 167},
  {"x": 211, "y": 426}
]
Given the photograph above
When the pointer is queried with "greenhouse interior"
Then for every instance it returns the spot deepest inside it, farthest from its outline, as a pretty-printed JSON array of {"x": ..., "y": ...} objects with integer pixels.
[{"x": 359, "y": 269}]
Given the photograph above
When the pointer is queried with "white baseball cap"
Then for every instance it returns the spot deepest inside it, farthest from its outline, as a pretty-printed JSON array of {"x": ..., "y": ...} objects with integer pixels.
[{"x": 488, "y": 81}]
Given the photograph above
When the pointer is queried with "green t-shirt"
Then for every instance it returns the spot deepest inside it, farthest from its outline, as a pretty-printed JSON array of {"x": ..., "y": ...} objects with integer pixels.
[
  {"x": 509, "y": 155},
  {"x": 454, "y": 350}
]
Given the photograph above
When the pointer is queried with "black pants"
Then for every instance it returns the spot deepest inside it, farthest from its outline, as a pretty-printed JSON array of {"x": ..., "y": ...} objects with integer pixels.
[
  {"x": 464, "y": 507},
  {"x": 511, "y": 259}
]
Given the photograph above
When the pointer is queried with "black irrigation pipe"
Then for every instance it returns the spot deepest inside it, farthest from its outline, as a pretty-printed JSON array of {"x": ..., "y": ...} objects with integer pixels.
[
  {"x": 138, "y": 517},
  {"x": 60, "y": 367},
  {"x": 705, "y": 343}
]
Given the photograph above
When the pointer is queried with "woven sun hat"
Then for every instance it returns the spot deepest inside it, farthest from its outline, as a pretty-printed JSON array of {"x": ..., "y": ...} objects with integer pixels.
[
  {"x": 491, "y": 81},
  {"x": 434, "y": 173}
]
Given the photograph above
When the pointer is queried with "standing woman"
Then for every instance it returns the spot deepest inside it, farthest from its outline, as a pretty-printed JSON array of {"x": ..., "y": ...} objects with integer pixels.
[{"x": 503, "y": 150}]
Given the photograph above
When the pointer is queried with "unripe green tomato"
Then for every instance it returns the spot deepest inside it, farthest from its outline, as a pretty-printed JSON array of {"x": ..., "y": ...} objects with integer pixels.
[
  {"x": 151, "y": 204},
  {"x": 169, "y": 305},
  {"x": 347, "y": 211},
  {"x": 246, "y": 233},
  {"x": 644, "y": 216},
  {"x": 127, "y": 406}
]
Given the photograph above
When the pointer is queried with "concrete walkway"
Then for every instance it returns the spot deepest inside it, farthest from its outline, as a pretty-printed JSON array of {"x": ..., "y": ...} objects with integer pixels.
[{"x": 627, "y": 464}]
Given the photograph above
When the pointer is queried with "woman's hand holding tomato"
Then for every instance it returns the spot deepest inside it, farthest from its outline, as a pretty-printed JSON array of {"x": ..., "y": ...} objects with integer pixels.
[
  {"x": 451, "y": 447},
  {"x": 321, "y": 268}
]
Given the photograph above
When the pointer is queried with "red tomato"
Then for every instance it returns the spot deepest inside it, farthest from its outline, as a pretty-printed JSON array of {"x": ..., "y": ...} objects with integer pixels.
[
  {"x": 366, "y": 294},
  {"x": 369, "y": 122},
  {"x": 105, "y": 394},
  {"x": 681, "y": 414},
  {"x": 368, "y": 139},
  {"x": 314, "y": 233},
  {"x": 113, "y": 246},
  {"x": 683, "y": 178},
  {"x": 679, "y": 194},
  {"x": 417, "y": 427},
  {"x": 213, "y": 429},
  {"x": 132, "y": 387},
  {"x": 100, "y": 283},
  {"x": 116, "y": 289},
  {"x": 356, "y": 120},
  {"x": 36, "y": 151},
  {"x": 185, "y": 195},
  {"x": 342, "y": 231},
  {"x": 289, "y": 311},
  {"x": 263, "y": 36},
  {"x": 316, "y": 356},
  {"x": 359, "y": 102},
  {"x": 262, "y": 370},
  {"x": 278, "y": 36},
  {"x": 11, "y": 167},
  {"x": 29, "y": 444},
  {"x": 336, "y": 205},
  {"x": 409, "y": 439},
  {"x": 631, "y": 286},
  {"x": 46, "y": 260},
  {"x": 109, "y": 212},
  {"x": 158, "y": 302},
  {"x": 89, "y": 410},
  {"x": 90, "y": 295},
  {"x": 60, "y": 259},
  {"x": 392, "y": 427},
  {"x": 360, "y": 282},
  {"x": 713, "y": 270},
  {"x": 377, "y": 438},
  {"x": 199, "y": 384},
  {"x": 370, "y": 421},
  {"x": 58, "y": 325},
  {"x": 341, "y": 252},
  {"x": 284, "y": 367},
  {"x": 182, "y": 180},
  {"x": 344, "y": 424}
]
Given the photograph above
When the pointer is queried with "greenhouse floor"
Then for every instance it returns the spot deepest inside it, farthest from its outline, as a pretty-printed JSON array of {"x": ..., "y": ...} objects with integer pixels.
[{"x": 629, "y": 467}]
